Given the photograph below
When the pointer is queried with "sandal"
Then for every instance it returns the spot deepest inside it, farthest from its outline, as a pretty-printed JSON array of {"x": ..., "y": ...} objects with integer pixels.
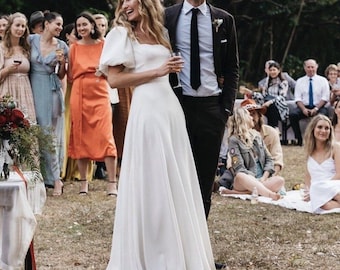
[
  {"x": 84, "y": 189},
  {"x": 60, "y": 190},
  {"x": 112, "y": 189}
]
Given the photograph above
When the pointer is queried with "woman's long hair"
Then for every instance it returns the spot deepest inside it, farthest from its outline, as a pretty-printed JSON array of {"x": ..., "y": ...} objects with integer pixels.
[
  {"x": 23, "y": 43},
  {"x": 152, "y": 13},
  {"x": 335, "y": 119},
  {"x": 280, "y": 75},
  {"x": 238, "y": 125},
  {"x": 309, "y": 138}
]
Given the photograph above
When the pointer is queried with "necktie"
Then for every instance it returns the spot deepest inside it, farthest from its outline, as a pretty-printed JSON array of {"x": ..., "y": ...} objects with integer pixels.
[
  {"x": 195, "y": 76},
  {"x": 311, "y": 101}
]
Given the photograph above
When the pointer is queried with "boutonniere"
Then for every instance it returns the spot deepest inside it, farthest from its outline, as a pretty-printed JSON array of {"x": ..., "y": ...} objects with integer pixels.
[{"x": 217, "y": 23}]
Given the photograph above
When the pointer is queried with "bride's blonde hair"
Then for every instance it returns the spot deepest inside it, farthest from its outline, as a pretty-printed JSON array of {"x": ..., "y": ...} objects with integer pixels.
[
  {"x": 238, "y": 125},
  {"x": 152, "y": 14}
]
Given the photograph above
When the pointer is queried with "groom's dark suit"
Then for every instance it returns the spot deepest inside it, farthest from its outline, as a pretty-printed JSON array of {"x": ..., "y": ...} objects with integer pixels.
[{"x": 206, "y": 116}]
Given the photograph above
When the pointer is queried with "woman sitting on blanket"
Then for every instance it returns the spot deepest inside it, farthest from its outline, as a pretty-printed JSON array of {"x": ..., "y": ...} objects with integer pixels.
[
  {"x": 323, "y": 165},
  {"x": 250, "y": 160}
]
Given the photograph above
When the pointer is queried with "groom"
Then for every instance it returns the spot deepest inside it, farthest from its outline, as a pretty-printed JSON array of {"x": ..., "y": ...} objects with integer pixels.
[
  {"x": 206, "y": 38},
  {"x": 209, "y": 79}
]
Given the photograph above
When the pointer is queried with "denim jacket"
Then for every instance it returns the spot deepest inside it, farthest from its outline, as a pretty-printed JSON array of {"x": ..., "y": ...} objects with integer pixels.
[{"x": 243, "y": 158}]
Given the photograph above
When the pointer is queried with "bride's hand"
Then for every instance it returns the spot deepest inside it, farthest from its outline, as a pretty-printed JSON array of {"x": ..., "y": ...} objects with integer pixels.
[{"x": 172, "y": 65}]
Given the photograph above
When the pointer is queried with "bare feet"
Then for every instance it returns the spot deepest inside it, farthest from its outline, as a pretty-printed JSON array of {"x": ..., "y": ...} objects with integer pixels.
[
  {"x": 275, "y": 196},
  {"x": 244, "y": 90}
]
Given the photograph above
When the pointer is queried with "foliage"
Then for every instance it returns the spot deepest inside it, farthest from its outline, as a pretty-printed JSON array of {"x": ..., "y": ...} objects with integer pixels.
[
  {"x": 301, "y": 29},
  {"x": 288, "y": 31},
  {"x": 19, "y": 138}
]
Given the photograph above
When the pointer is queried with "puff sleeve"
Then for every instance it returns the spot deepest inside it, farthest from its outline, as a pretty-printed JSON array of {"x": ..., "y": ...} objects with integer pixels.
[{"x": 117, "y": 50}]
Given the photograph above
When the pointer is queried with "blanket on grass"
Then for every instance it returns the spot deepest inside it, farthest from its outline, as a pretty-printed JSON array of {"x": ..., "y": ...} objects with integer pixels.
[{"x": 292, "y": 200}]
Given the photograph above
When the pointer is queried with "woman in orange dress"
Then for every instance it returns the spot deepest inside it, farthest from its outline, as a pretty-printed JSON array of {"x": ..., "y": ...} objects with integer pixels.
[
  {"x": 70, "y": 167},
  {"x": 91, "y": 135}
]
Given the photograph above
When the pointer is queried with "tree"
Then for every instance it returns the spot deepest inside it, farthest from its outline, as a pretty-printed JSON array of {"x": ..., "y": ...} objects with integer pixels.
[{"x": 288, "y": 31}]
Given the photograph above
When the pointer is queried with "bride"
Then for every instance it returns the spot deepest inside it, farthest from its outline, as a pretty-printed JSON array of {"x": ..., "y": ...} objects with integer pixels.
[{"x": 159, "y": 220}]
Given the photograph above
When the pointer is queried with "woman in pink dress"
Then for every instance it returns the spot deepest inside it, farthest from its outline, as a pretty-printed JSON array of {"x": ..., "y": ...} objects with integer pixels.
[{"x": 15, "y": 65}]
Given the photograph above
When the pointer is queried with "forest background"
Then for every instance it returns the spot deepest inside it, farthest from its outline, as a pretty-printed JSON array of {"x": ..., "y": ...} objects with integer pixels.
[{"x": 288, "y": 31}]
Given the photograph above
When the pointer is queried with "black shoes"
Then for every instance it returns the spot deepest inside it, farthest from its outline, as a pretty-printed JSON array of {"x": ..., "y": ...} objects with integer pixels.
[
  {"x": 219, "y": 266},
  {"x": 100, "y": 171}
]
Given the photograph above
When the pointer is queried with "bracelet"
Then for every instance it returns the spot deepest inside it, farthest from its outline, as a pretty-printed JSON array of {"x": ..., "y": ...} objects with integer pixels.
[{"x": 316, "y": 108}]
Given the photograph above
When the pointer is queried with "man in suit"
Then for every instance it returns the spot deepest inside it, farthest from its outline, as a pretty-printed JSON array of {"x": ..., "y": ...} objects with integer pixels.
[
  {"x": 207, "y": 107},
  {"x": 206, "y": 38}
]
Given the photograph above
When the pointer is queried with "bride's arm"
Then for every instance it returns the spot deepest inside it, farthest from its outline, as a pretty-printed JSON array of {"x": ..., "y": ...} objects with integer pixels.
[{"x": 118, "y": 77}]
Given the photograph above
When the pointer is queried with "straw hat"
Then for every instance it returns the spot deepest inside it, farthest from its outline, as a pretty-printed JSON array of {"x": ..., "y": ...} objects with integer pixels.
[{"x": 251, "y": 105}]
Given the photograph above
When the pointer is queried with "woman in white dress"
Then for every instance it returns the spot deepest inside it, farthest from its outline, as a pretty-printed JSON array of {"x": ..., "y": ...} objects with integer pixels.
[
  {"x": 323, "y": 165},
  {"x": 159, "y": 219}
]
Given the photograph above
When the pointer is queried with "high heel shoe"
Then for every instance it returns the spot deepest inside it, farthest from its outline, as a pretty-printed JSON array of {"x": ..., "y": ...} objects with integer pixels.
[
  {"x": 112, "y": 189},
  {"x": 58, "y": 188},
  {"x": 84, "y": 189}
]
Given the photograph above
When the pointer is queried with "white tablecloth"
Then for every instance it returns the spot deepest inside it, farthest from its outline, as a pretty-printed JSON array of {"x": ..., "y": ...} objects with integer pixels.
[{"x": 17, "y": 220}]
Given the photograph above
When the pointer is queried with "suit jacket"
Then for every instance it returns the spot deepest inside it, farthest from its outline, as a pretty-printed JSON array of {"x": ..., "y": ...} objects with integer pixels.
[{"x": 225, "y": 48}]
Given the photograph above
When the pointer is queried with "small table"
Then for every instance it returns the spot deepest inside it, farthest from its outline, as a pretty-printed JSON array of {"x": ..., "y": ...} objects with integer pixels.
[{"x": 17, "y": 220}]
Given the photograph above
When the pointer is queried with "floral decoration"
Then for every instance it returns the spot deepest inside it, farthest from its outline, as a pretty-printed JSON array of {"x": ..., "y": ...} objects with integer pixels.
[
  {"x": 217, "y": 23},
  {"x": 19, "y": 138}
]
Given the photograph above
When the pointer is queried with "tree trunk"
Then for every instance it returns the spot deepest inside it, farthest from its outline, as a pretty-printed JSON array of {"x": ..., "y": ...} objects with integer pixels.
[{"x": 290, "y": 40}]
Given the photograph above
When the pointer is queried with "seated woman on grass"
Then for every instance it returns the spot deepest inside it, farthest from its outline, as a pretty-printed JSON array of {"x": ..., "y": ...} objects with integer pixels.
[
  {"x": 323, "y": 165},
  {"x": 250, "y": 160}
]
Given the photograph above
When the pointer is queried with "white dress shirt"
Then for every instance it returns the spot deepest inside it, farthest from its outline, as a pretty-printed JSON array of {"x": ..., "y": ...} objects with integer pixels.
[
  {"x": 320, "y": 89},
  {"x": 209, "y": 86}
]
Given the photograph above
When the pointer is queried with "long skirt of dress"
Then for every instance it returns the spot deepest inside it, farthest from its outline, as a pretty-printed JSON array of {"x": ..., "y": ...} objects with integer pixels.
[{"x": 159, "y": 220}]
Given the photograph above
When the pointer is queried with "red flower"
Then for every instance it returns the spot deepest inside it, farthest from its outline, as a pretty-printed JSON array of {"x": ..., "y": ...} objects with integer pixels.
[
  {"x": 3, "y": 120},
  {"x": 16, "y": 116}
]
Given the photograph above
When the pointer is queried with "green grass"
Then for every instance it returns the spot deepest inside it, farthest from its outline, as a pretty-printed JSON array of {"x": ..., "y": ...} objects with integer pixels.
[{"x": 76, "y": 232}]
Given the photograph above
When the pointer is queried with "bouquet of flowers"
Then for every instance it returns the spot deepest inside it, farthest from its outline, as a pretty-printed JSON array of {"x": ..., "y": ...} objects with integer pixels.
[{"x": 19, "y": 138}]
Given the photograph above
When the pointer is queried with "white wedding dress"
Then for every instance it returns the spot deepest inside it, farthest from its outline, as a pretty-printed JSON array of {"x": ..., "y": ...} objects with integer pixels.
[
  {"x": 322, "y": 188},
  {"x": 159, "y": 220}
]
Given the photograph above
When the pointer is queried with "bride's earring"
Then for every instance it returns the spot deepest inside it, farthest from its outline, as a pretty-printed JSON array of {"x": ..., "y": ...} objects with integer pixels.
[{"x": 92, "y": 31}]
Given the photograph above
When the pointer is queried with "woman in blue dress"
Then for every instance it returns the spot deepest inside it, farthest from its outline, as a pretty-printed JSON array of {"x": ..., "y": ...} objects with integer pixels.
[{"x": 48, "y": 57}]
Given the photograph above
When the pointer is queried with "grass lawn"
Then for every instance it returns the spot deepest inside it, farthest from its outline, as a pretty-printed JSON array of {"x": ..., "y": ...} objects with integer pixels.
[{"x": 75, "y": 232}]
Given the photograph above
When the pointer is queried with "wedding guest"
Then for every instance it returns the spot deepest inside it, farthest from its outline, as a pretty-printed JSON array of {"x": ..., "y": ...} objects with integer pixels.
[
  {"x": 91, "y": 135},
  {"x": 251, "y": 162},
  {"x": 209, "y": 80},
  {"x": 273, "y": 96},
  {"x": 15, "y": 65},
  {"x": 70, "y": 168},
  {"x": 48, "y": 58},
  {"x": 270, "y": 135},
  {"x": 311, "y": 96},
  {"x": 157, "y": 156},
  {"x": 323, "y": 161},
  {"x": 291, "y": 82},
  {"x": 335, "y": 120},
  {"x": 36, "y": 22},
  {"x": 331, "y": 73},
  {"x": 102, "y": 23},
  {"x": 3, "y": 25}
]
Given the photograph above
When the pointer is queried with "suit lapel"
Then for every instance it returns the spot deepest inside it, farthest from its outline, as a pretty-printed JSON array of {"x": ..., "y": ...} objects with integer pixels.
[
  {"x": 216, "y": 37},
  {"x": 171, "y": 21}
]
